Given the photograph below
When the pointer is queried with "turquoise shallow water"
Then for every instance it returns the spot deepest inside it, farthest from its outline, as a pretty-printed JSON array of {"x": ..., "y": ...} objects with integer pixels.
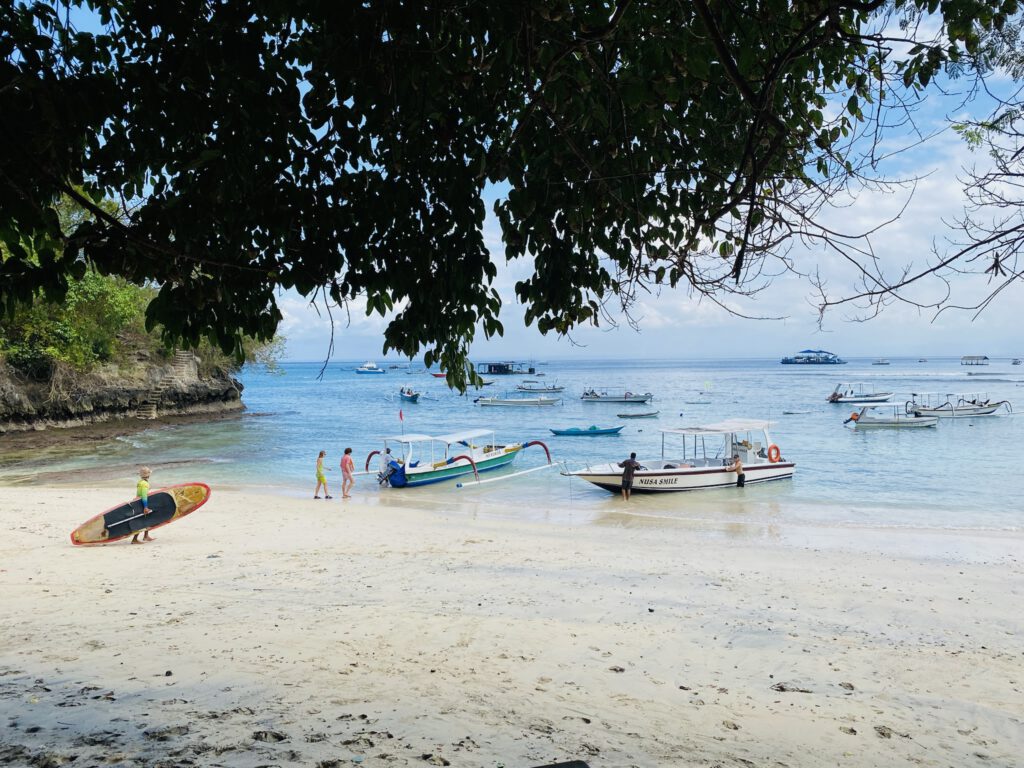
[{"x": 961, "y": 475}]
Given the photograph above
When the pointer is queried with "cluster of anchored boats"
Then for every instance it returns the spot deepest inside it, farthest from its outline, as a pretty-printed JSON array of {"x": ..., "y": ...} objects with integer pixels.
[{"x": 923, "y": 409}]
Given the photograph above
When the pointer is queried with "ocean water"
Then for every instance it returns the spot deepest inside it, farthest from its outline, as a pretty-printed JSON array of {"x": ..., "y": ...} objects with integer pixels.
[{"x": 960, "y": 475}]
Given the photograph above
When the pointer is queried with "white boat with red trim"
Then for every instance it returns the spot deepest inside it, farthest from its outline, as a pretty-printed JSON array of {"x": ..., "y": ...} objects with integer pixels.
[{"x": 707, "y": 460}]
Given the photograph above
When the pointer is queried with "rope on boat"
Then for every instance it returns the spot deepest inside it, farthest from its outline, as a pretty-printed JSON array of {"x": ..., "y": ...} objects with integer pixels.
[{"x": 504, "y": 477}]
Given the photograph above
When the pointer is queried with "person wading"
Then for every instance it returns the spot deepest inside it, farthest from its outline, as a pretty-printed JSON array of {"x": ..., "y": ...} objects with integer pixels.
[{"x": 629, "y": 466}]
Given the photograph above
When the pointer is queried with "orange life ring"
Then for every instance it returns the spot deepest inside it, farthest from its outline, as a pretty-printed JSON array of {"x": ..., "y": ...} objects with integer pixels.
[{"x": 774, "y": 454}]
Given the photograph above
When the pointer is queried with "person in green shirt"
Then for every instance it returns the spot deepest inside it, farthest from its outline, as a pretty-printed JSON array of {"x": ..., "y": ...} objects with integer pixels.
[{"x": 142, "y": 491}]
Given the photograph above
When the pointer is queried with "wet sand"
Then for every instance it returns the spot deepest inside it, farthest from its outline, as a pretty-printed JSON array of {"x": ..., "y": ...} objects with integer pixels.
[{"x": 265, "y": 630}]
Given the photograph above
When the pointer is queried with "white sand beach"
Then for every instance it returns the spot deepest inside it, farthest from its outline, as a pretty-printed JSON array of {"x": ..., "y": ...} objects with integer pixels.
[{"x": 265, "y": 630}]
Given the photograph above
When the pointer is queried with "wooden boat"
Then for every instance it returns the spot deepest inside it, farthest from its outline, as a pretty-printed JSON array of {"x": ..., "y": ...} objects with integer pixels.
[
  {"x": 954, "y": 405},
  {"x": 890, "y": 416},
  {"x": 644, "y": 415},
  {"x": 705, "y": 461},
  {"x": 857, "y": 394},
  {"x": 591, "y": 431},
  {"x": 424, "y": 459},
  {"x": 510, "y": 400},
  {"x": 603, "y": 396},
  {"x": 369, "y": 367},
  {"x": 408, "y": 395}
]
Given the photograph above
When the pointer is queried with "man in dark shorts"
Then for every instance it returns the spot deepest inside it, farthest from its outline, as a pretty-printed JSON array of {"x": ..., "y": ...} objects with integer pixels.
[{"x": 629, "y": 466}]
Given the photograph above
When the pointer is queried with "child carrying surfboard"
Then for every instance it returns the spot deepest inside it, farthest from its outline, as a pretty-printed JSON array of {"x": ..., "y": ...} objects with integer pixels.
[{"x": 142, "y": 491}]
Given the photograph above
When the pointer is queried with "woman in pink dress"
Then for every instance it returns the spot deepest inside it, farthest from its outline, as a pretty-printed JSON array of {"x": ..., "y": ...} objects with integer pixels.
[{"x": 348, "y": 468}]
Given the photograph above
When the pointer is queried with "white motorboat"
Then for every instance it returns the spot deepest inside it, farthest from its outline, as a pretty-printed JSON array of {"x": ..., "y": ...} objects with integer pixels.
[
  {"x": 955, "y": 405},
  {"x": 511, "y": 400},
  {"x": 889, "y": 415},
  {"x": 880, "y": 361},
  {"x": 536, "y": 386},
  {"x": 857, "y": 394},
  {"x": 707, "y": 460},
  {"x": 604, "y": 396},
  {"x": 369, "y": 367}
]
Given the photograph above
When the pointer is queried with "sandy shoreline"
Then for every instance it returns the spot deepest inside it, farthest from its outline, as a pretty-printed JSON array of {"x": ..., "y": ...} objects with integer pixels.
[{"x": 297, "y": 632}]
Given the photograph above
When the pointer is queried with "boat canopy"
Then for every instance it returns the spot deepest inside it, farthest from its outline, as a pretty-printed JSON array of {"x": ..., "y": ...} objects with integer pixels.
[
  {"x": 455, "y": 437},
  {"x": 409, "y": 438},
  {"x": 721, "y": 428},
  {"x": 466, "y": 434}
]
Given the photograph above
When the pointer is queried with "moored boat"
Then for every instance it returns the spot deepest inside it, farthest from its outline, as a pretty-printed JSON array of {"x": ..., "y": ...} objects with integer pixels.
[
  {"x": 509, "y": 399},
  {"x": 591, "y": 431},
  {"x": 536, "y": 386},
  {"x": 639, "y": 415},
  {"x": 369, "y": 367},
  {"x": 889, "y": 415},
  {"x": 880, "y": 361},
  {"x": 603, "y": 396},
  {"x": 707, "y": 460},
  {"x": 955, "y": 405},
  {"x": 855, "y": 394},
  {"x": 424, "y": 459}
]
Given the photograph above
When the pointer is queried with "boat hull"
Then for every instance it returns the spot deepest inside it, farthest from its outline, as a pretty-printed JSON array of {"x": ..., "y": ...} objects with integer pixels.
[
  {"x": 412, "y": 478},
  {"x": 576, "y": 432},
  {"x": 409, "y": 398},
  {"x": 958, "y": 413},
  {"x": 517, "y": 403},
  {"x": 693, "y": 479},
  {"x": 646, "y": 398},
  {"x": 879, "y": 397},
  {"x": 651, "y": 415},
  {"x": 905, "y": 423}
]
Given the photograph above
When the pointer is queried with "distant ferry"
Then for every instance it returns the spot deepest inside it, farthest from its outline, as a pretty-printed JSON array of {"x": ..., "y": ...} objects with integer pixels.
[{"x": 813, "y": 357}]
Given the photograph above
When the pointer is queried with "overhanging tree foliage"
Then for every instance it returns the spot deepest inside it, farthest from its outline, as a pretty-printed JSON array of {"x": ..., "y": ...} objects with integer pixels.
[{"x": 343, "y": 149}]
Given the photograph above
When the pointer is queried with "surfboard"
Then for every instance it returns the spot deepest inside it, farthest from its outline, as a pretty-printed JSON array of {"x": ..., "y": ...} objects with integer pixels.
[{"x": 124, "y": 520}]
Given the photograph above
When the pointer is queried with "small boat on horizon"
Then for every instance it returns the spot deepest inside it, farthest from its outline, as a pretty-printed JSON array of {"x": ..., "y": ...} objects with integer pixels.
[
  {"x": 591, "y": 431},
  {"x": 880, "y": 361},
  {"x": 370, "y": 367}
]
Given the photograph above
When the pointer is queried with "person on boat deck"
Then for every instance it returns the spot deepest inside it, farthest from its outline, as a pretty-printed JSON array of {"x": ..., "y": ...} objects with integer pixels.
[
  {"x": 629, "y": 466},
  {"x": 142, "y": 491}
]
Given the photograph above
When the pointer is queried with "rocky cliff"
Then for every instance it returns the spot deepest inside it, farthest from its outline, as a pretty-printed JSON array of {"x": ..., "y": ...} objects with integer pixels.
[{"x": 154, "y": 387}]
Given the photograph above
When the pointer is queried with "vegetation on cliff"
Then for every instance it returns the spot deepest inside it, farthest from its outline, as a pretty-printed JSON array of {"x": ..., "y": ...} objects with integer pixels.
[{"x": 101, "y": 321}]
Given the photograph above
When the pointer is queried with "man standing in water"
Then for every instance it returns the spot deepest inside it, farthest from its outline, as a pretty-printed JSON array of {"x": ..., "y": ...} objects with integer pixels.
[{"x": 629, "y": 466}]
